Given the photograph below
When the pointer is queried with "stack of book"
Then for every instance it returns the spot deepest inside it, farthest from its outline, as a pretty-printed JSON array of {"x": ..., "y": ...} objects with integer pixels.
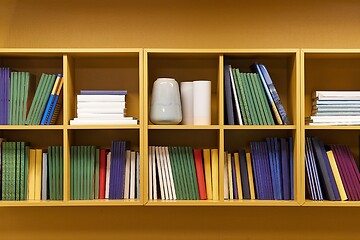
[
  {"x": 183, "y": 173},
  {"x": 102, "y": 107},
  {"x": 331, "y": 172},
  {"x": 266, "y": 173},
  {"x": 335, "y": 108},
  {"x": 251, "y": 98},
  {"x": 21, "y": 104},
  {"x": 31, "y": 174},
  {"x": 104, "y": 174}
]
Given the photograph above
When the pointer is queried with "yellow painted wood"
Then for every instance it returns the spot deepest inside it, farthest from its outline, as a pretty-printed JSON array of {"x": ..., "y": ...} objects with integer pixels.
[
  {"x": 100, "y": 126},
  {"x": 31, "y": 127},
  {"x": 179, "y": 127},
  {"x": 307, "y": 127},
  {"x": 326, "y": 203}
]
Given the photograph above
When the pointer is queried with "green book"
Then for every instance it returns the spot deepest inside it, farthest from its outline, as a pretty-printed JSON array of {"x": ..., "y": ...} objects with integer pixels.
[
  {"x": 61, "y": 181},
  {"x": 50, "y": 173},
  {"x": 4, "y": 156},
  {"x": 240, "y": 81},
  {"x": 96, "y": 173},
  {"x": 256, "y": 95},
  {"x": 238, "y": 93},
  {"x": 86, "y": 181},
  {"x": 16, "y": 99},
  {"x": 11, "y": 103},
  {"x": 188, "y": 180},
  {"x": 40, "y": 99},
  {"x": 38, "y": 92},
  {"x": 58, "y": 172},
  {"x": 78, "y": 181},
  {"x": 17, "y": 170},
  {"x": 175, "y": 173},
  {"x": 13, "y": 171},
  {"x": 26, "y": 171},
  {"x": 72, "y": 156},
  {"x": 22, "y": 171},
  {"x": 19, "y": 94},
  {"x": 82, "y": 172},
  {"x": 252, "y": 96},
  {"x": 265, "y": 103},
  {"x": 182, "y": 173},
  {"x": 44, "y": 99},
  {"x": 29, "y": 89},
  {"x": 249, "y": 100},
  {"x": 95, "y": 154},
  {"x": 190, "y": 155}
]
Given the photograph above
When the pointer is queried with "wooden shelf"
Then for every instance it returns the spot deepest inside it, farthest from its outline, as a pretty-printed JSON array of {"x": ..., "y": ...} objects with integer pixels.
[
  {"x": 258, "y": 127},
  {"x": 179, "y": 127},
  {"x": 89, "y": 127},
  {"x": 260, "y": 203},
  {"x": 326, "y": 203},
  {"x": 48, "y": 203},
  {"x": 307, "y": 127},
  {"x": 183, "y": 203},
  {"x": 32, "y": 127}
]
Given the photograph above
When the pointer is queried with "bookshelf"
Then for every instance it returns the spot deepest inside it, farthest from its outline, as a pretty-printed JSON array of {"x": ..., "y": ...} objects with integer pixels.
[
  {"x": 329, "y": 69},
  {"x": 296, "y": 73}
]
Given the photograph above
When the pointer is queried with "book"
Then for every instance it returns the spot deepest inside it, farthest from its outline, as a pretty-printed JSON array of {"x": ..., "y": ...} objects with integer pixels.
[
  {"x": 38, "y": 163},
  {"x": 150, "y": 174},
  {"x": 251, "y": 176},
  {"x": 165, "y": 175},
  {"x": 127, "y": 175},
  {"x": 100, "y": 105},
  {"x": 200, "y": 173},
  {"x": 103, "y": 92},
  {"x": 160, "y": 173},
  {"x": 50, "y": 102},
  {"x": 244, "y": 174},
  {"x": 132, "y": 175},
  {"x": 103, "y": 122},
  {"x": 170, "y": 169},
  {"x": 215, "y": 173},
  {"x": 230, "y": 176},
  {"x": 44, "y": 179},
  {"x": 228, "y": 96},
  {"x": 337, "y": 177},
  {"x": 238, "y": 178},
  {"x": 336, "y": 95},
  {"x": 235, "y": 97},
  {"x": 100, "y": 98},
  {"x": 208, "y": 175},
  {"x": 244, "y": 107},
  {"x": 108, "y": 172},
  {"x": 226, "y": 177},
  {"x": 233, "y": 176}
]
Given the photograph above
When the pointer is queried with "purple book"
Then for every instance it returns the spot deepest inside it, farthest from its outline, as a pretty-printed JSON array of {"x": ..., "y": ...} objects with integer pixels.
[
  {"x": 285, "y": 169},
  {"x": 309, "y": 178},
  {"x": 2, "y": 96},
  {"x": 312, "y": 178},
  {"x": 235, "y": 186},
  {"x": 291, "y": 159},
  {"x": 122, "y": 169},
  {"x": 315, "y": 171},
  {"x": 103, "y": 92},
  {"x": 266, "y": 171},
  {"x": 253, "y": 150},
  {"x": 112, "y": 171}
]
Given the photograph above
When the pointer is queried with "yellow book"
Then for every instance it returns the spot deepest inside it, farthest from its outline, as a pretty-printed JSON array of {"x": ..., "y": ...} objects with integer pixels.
[
  {"x": 251, "y": 178},
  {"x": 231, "y": 185},
  {"x": 207, "y": 166},
  {"x": 215, "y": 173},
  {"x": 31, "y": 175},
  {"x": 38, "y": 173},
  {"x": 238, "y": 178},
  {"x": 337, "y": 177}
]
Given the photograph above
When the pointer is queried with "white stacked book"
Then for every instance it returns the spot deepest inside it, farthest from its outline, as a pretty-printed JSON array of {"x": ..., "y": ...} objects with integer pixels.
[
  {"x": 102, "y": 107},
  {"x": 335, "y": 108}
]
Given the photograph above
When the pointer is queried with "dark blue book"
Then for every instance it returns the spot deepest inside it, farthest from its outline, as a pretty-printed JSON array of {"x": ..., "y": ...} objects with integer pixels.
[
  {"x": 265, "y": 76},
  {"x": 122, "y": 168},
  {"x": 323, "y": 173},
  {"x": 277, "y": 150},
  {"x": 235, "y": 186},
  {"x": 103, "y": 92},
  {"x": 285, "y": 168},
  {"x": 113, "y": 165},
  {"x": 309, "y": 177},
  {"x": 2, "y": 96},
  {"x": 256, "y": 174},
  {"x": 314, "y": 169},
  {"x": 244, "y": 174},
  {"x": 291, "y": 165},
  {"x": 267, "y": 172},
  {"x": 274, "y": 172},
  {"x": 228, "y": 96}
]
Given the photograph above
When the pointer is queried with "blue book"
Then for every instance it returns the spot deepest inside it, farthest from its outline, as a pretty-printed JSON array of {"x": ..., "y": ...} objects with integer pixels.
[
  {"x": 257, "y": 181},
  {"x": 235, "y": 186},
  {"x": 291, "y": 164},
  {"x": 50, "y": 105},
  {"x": 285, "y": 168},
  {"x": 266, "y": 164},
  {"x": 244, "y": 174},
  {"x": 112, "y": 170},
  {"x": 2, "y": 96},
  {"x": 263, "y": 73},
  {"x": 309, "y": 176},
  {"x": 314, "y": 169},
  {"x": 103, "y": 92},
  {"x": 275, "y": 175},
  {"x": 228, "y": 96}
]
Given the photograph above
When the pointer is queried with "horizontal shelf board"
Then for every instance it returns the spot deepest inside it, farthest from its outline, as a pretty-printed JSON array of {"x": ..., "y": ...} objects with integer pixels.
[
  {"x": 220, "y": 51},
  {"x": 307, "y": 127},
  {"x": 189, "y": 203},
  {"x": 103, "y": 127},
  {"x": 32, "y": 127},
  {"x": 46, "y": 203},
  {"x": 260, "y": 203},
  {"x": 327, "y": 203},
  {"x": 259, "y": 127},
  {"x": 183, "y": 127}
]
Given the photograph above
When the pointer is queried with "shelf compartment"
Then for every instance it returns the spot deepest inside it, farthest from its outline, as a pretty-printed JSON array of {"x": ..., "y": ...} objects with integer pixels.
[
  {"x": 284, "y": 72},
  {"x": 104, "y": 71},
  {"x": 183, "y": 66}
]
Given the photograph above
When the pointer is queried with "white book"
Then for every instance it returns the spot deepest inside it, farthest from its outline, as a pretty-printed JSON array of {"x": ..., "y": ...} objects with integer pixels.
[
  {"x": 132, "y": 174},
  {"x": 103, "y": 122},
  {"x": 107, "y": 180},
  {"x": 167, "y": 157},
  {"x": 226, "y": 180},
  {"x": 322, "y": 119},
  {"x": 101, "y": 110},
  {"x": 44, "y": 177},
  {"x": 150, "y": 156},
  {"x": 100, "y": 98},
  {"x": 159, "y": 170},
  {"x": 335, "y": 124},
  {"x": 236, "y": 100},
  {"x": 336, "y": 95},
  {"x": 85, "y": 105},
  {"x": 102, "y": 115},
  {"x": 101, "y": 119},
  {"x": 127, "y": 175},
  {"x": 164, "y": 174},
  {"x": 154, "y": 173},
  {"x": 231, "y": 192},
  {"x": 137, "y": 175}
]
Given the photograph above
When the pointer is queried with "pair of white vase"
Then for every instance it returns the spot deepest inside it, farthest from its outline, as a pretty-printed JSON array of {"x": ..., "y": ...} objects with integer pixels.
[{"x": 166, "y": 102}]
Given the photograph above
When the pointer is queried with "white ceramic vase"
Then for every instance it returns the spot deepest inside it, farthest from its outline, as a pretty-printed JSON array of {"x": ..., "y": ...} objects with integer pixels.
[{"x": 165, "y": 105}]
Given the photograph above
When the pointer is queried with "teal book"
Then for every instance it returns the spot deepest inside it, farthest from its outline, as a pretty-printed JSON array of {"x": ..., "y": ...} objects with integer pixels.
[
  {"x": 187, "y": 171},
  {"x": 26, "y": 171},
  {"x": 190, "y": 155},
  {"x": 35, "y": 101},
  {"x": 265, "y": 103},
  {"x": 18, "y": 171},
  {"x": 241, "y": 96},
  {"x": 175, "y": 173},
  {"x": 255, "y": 97},
  {"x": 61, "y": 172},
  {"x": 72, "y": 173},
  {"x": 245, "y": 103},
  {"x": 4, "y": 155},
  {"x": 50, "y": 173},
  {"x": 181, "y": 173},
  {"x": 92, "y": 171},
  {"x": 249, "y": 99}
]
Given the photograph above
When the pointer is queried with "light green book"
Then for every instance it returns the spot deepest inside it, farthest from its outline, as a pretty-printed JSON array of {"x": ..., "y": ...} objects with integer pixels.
[
  {"x": 50, "y": 172},
  {"x": 257, "y": 97},
  {"x": 58, "y": 173},
  {"x": 29, "y": 90},
  {"x": 93, "y": 153},
  {"x": 22, "y": 170},
  {"x": 175, "y": 172},
  {"x": 4, "y": 156},
  {"x": 181, "y": 168},
  {"x": 239, "y": 95},
  {"x": 253, "y": 115},
  {"x": 96, "y": 173},
  {"x": 38, "y": 92},
  {"x": 26, "y": 171},
  {"x": 240, "y": 81},
  {"x": 20, "y": 96},
  {"x": 40, "y": 99},
  {"x": 13, "y": 171},
  {"x": 16, "y": 98},
  {"x": 188, "y": 180},
  {"x": 17, "y": 170},
  {"x": 78, "y": 173},
  {"x": 190, "y": 156},
  {"x": 263, "y": 98},
  {"x": 44, "y": 99},
  {"x": 11, "y": 103}
]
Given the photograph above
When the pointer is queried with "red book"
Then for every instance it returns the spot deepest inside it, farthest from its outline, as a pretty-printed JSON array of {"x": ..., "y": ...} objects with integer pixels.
[
  {"x": 200, "y": 173},
  {"x": 102, "y": 177}
]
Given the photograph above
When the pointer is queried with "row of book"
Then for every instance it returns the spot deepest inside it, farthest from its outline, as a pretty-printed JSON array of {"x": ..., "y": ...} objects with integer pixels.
[
  {"x": 335, "y": 108},
  {"x": 183, "y": 173},
  {"x": 102, "y": 107},
  {"x": 24, "y": 103},
  {"x": 104, "y": 174},
  {"x": 251, "y": 98},
  {"x": 31, "y": 174},
  {"x": 331, "y": 172},
  {"x": 265, "y": 173}
]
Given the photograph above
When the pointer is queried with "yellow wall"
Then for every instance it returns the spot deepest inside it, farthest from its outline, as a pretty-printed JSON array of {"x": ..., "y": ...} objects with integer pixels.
[{"x": 180, "y": 24}]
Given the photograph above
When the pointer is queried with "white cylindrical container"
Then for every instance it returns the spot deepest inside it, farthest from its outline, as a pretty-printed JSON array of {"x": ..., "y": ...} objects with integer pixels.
[
  {"x": 186, "y": 90},
  {"x": 202, "y": 102},
  {"x": 165, "y": 102}
]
